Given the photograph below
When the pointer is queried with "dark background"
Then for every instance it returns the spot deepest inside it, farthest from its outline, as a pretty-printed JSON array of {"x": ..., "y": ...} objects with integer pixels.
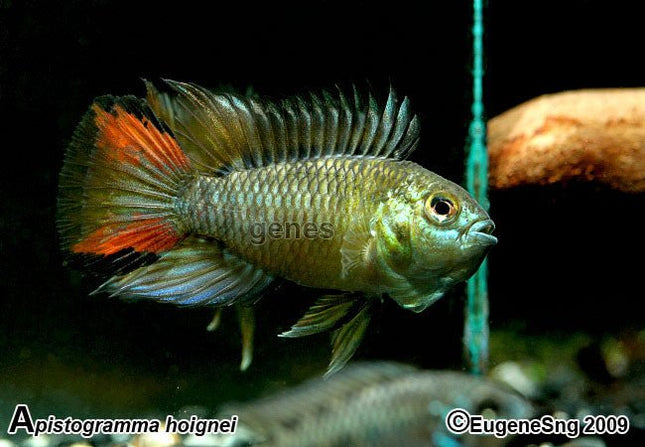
[{"x": 570, "y": 258}]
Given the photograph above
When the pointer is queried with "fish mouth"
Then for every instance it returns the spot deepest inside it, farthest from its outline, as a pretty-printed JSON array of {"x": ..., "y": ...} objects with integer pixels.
[
  {"x": 418, "y": 308},
  {"x": 481, "y": 231}
]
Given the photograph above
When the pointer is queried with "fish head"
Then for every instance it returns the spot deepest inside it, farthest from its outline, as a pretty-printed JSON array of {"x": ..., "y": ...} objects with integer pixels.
[{"x": 448, "y": 235}]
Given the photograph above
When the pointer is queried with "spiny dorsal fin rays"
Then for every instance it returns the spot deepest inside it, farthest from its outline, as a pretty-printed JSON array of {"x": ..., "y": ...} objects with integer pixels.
[
  {"x": 225, "y": 131},
  {"x": 333, "y": 121},
  {"x": 372, "y": 119},
  {"x": 304, "y": 127},
  {"x": 279, "y": 132},
  {"x": 250, "y": 133},
  {"x": 345, "y": 121},
  {"x": 393, "y": 146},
  {"x": 266, "y": 132},
  {"x": 358, "y": 125},
  {"x": 386, "y": 123},
  {"x": 409, "y": 141},
  {"x": 291, "y": 118}
]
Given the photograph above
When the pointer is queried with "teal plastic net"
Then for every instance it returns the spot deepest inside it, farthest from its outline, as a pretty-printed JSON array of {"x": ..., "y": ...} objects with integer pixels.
[{"x": 476, "y": 330}]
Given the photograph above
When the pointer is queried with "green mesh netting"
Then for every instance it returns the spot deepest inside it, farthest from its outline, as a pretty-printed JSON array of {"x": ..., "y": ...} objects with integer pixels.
[{"x": 476, "y": 324}]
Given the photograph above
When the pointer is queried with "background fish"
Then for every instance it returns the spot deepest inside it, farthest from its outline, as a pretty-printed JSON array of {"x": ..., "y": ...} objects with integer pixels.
[
  {"x": 373, "y": 405},
  {"x": 202, "y": 198}
]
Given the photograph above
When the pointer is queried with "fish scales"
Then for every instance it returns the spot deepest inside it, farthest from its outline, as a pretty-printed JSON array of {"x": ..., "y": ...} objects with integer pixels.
[
  {"x": 330, "y": 190},
  {"x": 373, "y": 405}
]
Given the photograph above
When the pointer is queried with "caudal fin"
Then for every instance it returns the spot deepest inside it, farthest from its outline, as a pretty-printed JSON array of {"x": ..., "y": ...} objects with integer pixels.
[{"x": 120, "y": 180}]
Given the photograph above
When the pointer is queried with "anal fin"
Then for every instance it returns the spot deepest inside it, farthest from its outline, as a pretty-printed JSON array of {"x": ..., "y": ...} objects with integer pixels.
[{"x": 196, "y": 272}]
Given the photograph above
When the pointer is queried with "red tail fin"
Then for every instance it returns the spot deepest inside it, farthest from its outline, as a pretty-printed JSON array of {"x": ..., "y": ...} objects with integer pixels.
[{"x": 119, "y": 181}]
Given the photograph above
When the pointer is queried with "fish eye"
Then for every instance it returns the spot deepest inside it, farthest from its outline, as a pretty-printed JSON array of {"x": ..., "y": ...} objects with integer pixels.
[{"x": 441, "y": 208}]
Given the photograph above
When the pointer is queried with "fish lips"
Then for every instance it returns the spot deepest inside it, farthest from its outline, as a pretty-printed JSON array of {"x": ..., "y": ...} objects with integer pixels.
[
  {"x": 480, "y": 233},
  {"x": 418, "y": 308}
]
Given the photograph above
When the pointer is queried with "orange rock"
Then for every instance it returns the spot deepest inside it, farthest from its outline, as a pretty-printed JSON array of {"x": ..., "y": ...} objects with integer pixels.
[{"x": 591, "y": 135}]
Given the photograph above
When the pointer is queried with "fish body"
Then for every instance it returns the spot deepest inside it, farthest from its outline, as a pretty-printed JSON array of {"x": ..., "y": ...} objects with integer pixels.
[
  {"x": 372, "y": 405},
  {"x": 293, "y": 219},
  {"x": 203, "y": 198}
]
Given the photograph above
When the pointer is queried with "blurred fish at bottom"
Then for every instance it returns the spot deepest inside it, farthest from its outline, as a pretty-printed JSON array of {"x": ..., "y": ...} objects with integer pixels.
[{"x": 374, "y": 405}]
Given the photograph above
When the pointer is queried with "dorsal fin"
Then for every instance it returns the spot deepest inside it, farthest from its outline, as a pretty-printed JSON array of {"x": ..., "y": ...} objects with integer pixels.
[{"x": 225, "y": 132}]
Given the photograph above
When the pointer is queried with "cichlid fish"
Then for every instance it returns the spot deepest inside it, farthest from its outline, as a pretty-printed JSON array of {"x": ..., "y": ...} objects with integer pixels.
[
  {"x": 377, "y": 404},
  {"x": 195, "y": 197}
]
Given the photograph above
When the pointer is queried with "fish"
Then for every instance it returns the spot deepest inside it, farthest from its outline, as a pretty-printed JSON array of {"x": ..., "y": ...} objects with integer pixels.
[
  {"x": 200, "y": 197},
  {"x": 373, "y": 404}
]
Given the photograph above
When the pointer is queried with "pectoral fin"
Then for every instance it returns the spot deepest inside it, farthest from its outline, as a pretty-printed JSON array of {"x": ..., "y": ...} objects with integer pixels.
[{"x": 358, "y": 246}]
